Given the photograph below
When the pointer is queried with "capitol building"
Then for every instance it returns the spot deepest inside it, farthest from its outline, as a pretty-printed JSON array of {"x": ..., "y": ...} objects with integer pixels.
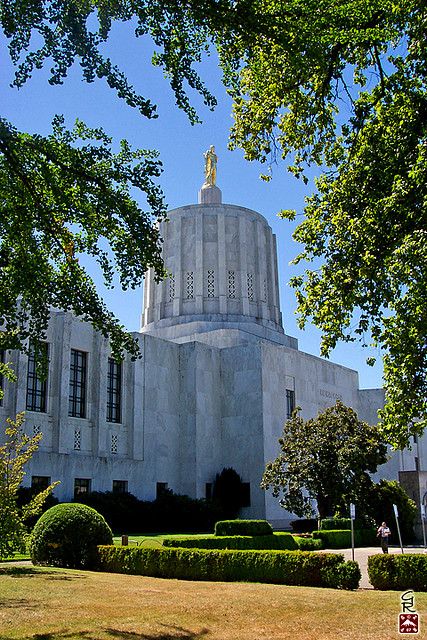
[{"x": 217, "y": 378}]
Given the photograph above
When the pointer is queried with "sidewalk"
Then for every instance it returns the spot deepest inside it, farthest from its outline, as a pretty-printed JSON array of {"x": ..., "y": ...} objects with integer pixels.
[{"x": 361, "y": 555}]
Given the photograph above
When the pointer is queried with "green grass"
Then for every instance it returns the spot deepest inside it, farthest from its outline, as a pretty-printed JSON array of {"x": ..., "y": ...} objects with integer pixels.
[{"x": 59, "y": 604}]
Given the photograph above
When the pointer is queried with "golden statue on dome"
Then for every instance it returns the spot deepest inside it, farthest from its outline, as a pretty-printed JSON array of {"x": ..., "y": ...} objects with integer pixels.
[{"x": 211, "y": 160}]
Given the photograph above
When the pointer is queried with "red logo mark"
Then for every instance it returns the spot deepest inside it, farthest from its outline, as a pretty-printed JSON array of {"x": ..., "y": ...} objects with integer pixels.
[{"x": 408, "y": 623}]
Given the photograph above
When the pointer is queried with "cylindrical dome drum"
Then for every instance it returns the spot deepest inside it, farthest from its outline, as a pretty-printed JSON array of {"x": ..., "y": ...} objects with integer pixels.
[{"x": 222, "y": 265}]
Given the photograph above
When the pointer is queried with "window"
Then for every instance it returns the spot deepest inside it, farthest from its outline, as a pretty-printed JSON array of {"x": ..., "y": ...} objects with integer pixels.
[
  {"x": 246, "y": 494},
  {"x": 114, "y": 390},
  {"x": 40, "y": 483},
  {"x": 120, "y": 486},
  {"x": 290, "y": 402},
  {"x": 2, "y": 354},
  {"x": 77, "y": 397},
  {"x": 36, "y": 387},
  {"x": 161, "y": 488},
  {"x": 81, "y": 486}
]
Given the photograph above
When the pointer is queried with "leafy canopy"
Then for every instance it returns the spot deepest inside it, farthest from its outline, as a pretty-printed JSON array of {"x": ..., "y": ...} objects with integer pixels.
[
  {"x": 15, "y": 453},
  {"x": 323, "y": 459},
  {"x": 341, "y": 85}
]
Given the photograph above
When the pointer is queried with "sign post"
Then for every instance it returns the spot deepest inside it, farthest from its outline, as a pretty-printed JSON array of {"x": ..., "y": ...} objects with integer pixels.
[
  {"x": 423, "y": 523},
  {"x": 396, "y": 515},
  {"x": 352, "y": 517}
]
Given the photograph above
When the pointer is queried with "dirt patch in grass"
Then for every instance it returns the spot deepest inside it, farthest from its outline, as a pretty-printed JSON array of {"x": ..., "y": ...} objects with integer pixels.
[{"x": 56, "y": 604}]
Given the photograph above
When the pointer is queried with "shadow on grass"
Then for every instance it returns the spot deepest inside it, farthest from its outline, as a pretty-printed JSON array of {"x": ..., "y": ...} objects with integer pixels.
[
  {"x": 170, "y": 633},
  {"x": 43, "y": 572}
]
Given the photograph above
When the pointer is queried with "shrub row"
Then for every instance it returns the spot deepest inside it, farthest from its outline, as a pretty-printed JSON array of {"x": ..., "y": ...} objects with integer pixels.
[
  {"x": 284, "y": 541},
  {"x": 243, "y": 528},
  {"x": 300, "y": 568},
  {"x": 398, "y": 572},
  {"x": 328, "y": 524},
  {"x": 341, "y": 539},
  {"x": 309, "y": 544},
  {"x": 169, "y": 513}
]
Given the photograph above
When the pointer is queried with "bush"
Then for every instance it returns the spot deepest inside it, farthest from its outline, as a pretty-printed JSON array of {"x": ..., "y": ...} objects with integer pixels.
[
  {"x": 345, "y": 575},
  {"x": 335, "y": 539},
  {"x": 122, "y": 511},
  {"x": 341, "y": 539},
  {"x": 169, "y": 513},
  {"x": 67, "y": 535},
  {"x": 309, "y": 544},
  {"x": 227, "y": 492},
  {"x": 301, "y": 568},
  {"x": 243, "y": 528},
  {"x": 329, "y": 524},
  {"x": 304, "y": 525},
  {"x": 398, "y": 572},
  {"x": 283, "y": 541}
]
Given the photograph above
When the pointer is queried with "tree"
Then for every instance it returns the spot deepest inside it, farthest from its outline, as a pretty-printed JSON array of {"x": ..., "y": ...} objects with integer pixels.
[
  {"x": 323, "y": 459},
  {"x": 228, "y": 492},
  {"x": 378, "y": 505},
  {"x": 14, "y": 455},
  {"x": 69, "y": 194},
  {"x": 342, "y": 85}
]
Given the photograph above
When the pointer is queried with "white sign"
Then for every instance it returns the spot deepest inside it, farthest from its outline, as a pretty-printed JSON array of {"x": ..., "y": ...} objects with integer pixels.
[
  {"x": 352, "y": 511},
  {"x": 395, "y": 511}
]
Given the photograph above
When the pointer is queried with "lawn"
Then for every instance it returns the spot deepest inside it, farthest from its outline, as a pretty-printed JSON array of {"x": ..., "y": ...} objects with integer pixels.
[
  {"x": 155, "y": 540},
  {"x": 58, "y": 604}
]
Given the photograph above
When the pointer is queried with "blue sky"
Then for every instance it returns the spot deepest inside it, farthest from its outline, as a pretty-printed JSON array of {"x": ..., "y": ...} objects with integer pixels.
[{"x": 181, "y": 147}]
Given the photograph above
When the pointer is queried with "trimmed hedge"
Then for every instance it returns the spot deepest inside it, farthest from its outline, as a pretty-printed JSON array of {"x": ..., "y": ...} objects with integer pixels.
[
  {"x": 298, "y": 568},
  {"x": 67, "y": 535},
  {"x": 398, "y": 572},
  {"x": 284, "y": 541},
  {"x": 309, "y": 544},
  {"x": 341, "y": 539},
  {"x": 243, "y": 528}
]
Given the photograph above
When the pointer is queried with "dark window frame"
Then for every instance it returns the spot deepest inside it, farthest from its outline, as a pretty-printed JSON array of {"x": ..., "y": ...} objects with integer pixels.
[
  {"x": 78, "y": 384},
  {"x": 114, "y": 391},
  {"x": 120, "y": 486},
  {"x": 290, "y": 403},
  {"x": 40, "y": 483},
  {"x": 36, "y": 392},
  {"x": 82, "y": 486}
]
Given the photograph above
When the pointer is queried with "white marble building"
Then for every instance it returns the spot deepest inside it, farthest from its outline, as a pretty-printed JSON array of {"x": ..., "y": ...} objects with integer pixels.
[{"x": 217, "y": 377}]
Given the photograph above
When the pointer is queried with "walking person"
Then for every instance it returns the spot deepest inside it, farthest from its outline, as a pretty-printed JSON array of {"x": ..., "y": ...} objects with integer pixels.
[{"x": 383, "y": 532}]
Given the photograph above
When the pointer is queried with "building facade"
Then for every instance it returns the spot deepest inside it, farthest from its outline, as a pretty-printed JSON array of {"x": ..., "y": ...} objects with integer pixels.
[{"x": 216, "y": 379}]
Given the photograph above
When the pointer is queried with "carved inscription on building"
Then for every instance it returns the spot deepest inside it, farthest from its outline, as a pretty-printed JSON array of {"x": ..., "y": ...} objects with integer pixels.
[{"x": 331, "y": 395}]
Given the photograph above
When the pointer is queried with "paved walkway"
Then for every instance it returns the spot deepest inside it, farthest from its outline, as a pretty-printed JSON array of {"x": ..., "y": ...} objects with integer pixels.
[{"x": 361, "y": 555}]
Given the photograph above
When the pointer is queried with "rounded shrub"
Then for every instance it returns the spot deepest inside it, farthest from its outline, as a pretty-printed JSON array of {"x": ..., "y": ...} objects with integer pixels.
[{"x": 67, "y": 535}]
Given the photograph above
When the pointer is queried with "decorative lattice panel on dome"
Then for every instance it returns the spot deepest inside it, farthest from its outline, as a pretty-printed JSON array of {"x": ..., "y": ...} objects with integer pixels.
[
  {"x": 231, "y": 284},
  {"x": 250, "y": 287},
  {"x": 211, "y": 283},
  {"x": 171, "y": 288},
  {"x": 189, "y": 288}
]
